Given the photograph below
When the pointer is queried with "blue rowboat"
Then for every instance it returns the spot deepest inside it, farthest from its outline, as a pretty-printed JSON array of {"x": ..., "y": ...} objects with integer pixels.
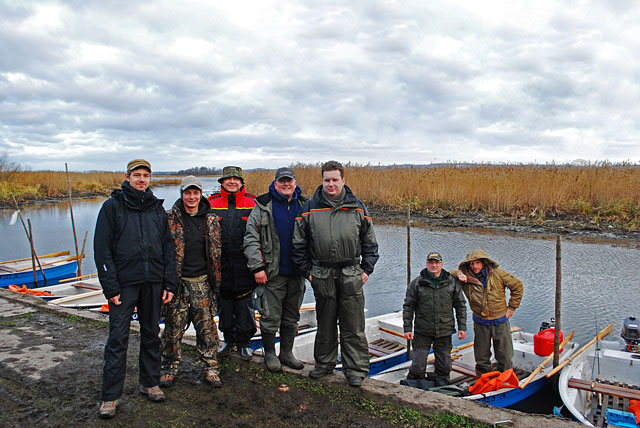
[
  {"x": 20, "y": 272},
  {"x": 387, "y": 346},
  {"x": 463, "y": 374}
]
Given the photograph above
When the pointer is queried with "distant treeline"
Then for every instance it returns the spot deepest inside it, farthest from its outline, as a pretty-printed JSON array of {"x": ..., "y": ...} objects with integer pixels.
[{"x": 200, "y": 170}]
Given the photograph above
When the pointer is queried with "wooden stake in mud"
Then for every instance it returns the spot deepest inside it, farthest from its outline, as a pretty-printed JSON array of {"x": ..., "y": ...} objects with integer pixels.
[
  {"x": 408, "y": 266},
  {"x": 33, "y": 256},
  {"x": 30, "y": 238},
  {"x": 73, "y": 223},
  {"x": 558, "y": 324}
]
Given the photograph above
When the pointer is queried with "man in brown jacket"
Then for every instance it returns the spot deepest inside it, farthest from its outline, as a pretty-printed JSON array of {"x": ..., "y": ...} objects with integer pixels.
[{"x": 484, "y": 284}]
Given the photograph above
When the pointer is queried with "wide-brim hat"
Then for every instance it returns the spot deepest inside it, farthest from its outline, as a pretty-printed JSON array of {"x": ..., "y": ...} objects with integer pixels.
[{"x": 231, "y": 171}]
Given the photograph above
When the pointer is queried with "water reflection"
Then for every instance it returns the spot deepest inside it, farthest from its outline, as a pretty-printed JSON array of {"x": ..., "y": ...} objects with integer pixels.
[{"x": 598, "y": 276}]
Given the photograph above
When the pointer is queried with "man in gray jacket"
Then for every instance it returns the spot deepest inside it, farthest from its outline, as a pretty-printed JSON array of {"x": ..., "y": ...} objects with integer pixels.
[
  {"x": 334, "y": 245},
  {"x": 428, "y": 318},
  {"x": 267, "y": 246}
]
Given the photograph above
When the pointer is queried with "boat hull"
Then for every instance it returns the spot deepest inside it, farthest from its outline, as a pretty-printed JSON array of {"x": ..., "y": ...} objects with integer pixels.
[{"x": 53, "y": 274}]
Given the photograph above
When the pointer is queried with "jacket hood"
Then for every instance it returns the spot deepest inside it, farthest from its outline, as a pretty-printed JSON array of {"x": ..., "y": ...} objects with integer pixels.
[
  {"x": 135, "y": 199},
  {"x": 241, "y": 192},
  {"x": 203, "y": 206},
  {"x": 477, "y": 255}
]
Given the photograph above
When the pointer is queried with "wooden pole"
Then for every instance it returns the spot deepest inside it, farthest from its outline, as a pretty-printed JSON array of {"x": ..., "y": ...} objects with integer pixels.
[
  {"x": 73, "y": 223},
  {"x": 33, "y": 257},
  {"x": 408, "y": 266},
  {"x": 558, "y": 323},
  {"x": 84, "y": 243},
  {"x": 29, "y": 237}
]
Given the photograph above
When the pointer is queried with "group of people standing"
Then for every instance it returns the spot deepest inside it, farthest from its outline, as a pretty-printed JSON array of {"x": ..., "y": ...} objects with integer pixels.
[{"x": 209, "y": 256}]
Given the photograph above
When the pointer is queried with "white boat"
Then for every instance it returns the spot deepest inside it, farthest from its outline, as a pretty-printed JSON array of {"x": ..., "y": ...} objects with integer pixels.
[
  {"x": 88, "y": 300},
  {"x": 602, "y": 377},
  {"x": 463, "y": 372},
  {"x": 75, "y": 288},
  {"x": 387, "y": 346},
  {"x": 306, "y": 325}
]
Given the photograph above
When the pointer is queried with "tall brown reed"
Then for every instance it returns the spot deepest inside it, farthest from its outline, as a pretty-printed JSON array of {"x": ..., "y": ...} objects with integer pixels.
[{"x": 596, "y": 192}]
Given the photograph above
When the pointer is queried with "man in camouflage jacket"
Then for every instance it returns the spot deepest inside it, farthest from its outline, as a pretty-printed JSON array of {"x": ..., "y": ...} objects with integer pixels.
[{"x": 196, "y": 234}]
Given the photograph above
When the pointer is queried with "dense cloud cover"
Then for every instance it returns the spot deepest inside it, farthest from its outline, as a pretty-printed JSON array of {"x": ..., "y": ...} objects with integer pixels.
[{"x": 268, "y": 83}]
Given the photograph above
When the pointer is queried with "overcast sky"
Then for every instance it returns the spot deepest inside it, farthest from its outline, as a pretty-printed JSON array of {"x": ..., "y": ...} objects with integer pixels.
[{"x": 261, "y": 83}]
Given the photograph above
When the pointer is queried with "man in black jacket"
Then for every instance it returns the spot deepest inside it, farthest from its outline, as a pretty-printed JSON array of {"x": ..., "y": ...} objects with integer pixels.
[{"x": 136, "y": 263}]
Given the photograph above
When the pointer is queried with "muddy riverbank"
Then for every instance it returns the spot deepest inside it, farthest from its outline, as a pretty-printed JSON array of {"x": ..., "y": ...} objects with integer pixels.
[{"x": 50, "y": 372}]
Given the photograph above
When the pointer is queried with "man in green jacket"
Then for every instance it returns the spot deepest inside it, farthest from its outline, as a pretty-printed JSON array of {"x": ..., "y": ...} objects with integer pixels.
[
  {"x": 485, "y": 284},
  {"x": 334, "y": 245},
  {"x": 267, "y": 246},
  {"x": 428, "y": 318}
]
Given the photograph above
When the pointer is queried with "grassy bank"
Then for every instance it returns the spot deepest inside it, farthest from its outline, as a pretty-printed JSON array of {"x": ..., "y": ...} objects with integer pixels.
[{"x": 601, "y": 193}]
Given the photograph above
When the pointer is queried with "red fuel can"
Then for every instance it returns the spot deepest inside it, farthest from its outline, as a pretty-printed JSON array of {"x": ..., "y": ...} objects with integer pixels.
[{"x": 543, "y": 342}]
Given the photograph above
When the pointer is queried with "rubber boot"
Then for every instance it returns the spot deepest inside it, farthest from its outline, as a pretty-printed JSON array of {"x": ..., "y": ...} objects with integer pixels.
[
  {"x": 270, "y": 359},
  {"x": 418, "y": 364},
  {"x": 287, "y": 336}
]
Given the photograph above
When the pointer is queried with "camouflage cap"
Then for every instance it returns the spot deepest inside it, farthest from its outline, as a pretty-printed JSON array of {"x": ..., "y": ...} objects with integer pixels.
[
  {"x": 434, "y": 256},
  {"x": 231, "y": 171},
  {"x": 138, "y": 163}
]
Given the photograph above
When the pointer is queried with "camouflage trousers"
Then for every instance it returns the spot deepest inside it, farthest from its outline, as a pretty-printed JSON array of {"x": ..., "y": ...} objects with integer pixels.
[{"x": 192, "y": 303}]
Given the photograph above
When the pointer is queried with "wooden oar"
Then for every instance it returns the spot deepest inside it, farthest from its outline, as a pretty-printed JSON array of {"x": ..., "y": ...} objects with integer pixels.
[
  {"x": 76, "y": 278},
  {"x": 68, "y": 259},
  {"x": 604, "y": 333},
  {"x": 453, "y": 351},
  {"x": 61, "y": 253},
  {"x": 546, "y": 361},
  {"x": 395, "y": 333}
]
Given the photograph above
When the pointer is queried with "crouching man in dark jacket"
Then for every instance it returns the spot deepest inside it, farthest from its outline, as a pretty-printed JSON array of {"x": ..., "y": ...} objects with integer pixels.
[
  {"x": 428, "y": 318},
  {"x": 136, "y": 264},
  {"x": 196, "y": 235}
]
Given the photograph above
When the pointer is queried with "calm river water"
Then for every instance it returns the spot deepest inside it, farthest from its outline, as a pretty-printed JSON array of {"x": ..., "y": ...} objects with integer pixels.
[{"x": 599, "y": 277}]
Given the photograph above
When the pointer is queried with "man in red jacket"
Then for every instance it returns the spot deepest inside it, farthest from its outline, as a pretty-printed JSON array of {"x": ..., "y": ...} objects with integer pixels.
[{"x": 233, "y": 206}]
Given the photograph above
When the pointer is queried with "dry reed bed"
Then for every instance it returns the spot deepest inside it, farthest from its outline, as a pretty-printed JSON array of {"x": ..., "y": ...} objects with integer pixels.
[{"x": 599, "y": 193}]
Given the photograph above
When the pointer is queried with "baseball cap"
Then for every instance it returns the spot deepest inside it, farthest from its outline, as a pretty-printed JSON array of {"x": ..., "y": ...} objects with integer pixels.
[
  {"x": 434, "y": 256},
  {"x": 283, "y": 172},
  {"x": 190, "y": 181},
  {"x": 138, "y": 163}
]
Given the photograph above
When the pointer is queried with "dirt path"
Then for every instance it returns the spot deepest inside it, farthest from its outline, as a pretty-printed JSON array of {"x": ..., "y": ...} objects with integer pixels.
[
  {"x": 51, "y": 368},
  {"x": 51, "y": 372}
]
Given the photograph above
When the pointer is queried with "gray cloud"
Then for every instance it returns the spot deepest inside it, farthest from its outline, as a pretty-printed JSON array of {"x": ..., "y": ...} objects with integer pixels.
[{"x": 263, "y": 84}]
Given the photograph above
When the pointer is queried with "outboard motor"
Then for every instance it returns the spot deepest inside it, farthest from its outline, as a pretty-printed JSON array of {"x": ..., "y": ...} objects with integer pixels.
[
  {"x": 631, "y": 334},
  {"x": 545, "y": 325}
]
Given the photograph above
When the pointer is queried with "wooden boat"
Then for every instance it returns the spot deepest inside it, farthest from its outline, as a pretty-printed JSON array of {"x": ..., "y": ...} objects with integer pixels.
[
  {"x": 56, "y": 266},
  {"x": 387, "y": 346},
  {"x": 90, "y": 299},
  {"x": 463, "y": 373},
  {"x": 602, "y": 377},
  {"x": 74, "y": 288},
  {"x": 306, "y": 325}
]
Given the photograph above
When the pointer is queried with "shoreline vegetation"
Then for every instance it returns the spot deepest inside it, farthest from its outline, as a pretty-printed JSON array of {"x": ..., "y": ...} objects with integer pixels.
[{"x": 593, "y": 197}]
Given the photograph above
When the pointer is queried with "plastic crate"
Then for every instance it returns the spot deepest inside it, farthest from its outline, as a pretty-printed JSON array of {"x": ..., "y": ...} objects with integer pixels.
[{"x": 619, "y": 418}]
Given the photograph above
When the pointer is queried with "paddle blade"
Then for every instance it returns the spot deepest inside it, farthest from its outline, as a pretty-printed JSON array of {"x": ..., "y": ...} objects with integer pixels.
[{"x": 14, "y": 218}]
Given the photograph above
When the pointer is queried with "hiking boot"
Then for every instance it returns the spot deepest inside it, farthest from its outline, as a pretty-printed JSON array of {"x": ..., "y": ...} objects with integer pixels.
[
  {"x": 154, "y": 393},
  {"x": 269, "y": 346},
  {"x": 225, "y": 349},
  {"x": 166, "y": 380},
  {"x": 213, "y": 379},
  {"x": 246, "y": 353},
  {"x": 107, "y": 409},
  {"x": 355, "y": 381},
  {"x": 319, "y": 372}
]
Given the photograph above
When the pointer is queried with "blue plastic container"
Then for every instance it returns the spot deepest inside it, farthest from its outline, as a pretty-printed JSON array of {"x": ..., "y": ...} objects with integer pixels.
[{"x": 619, "y": 418}]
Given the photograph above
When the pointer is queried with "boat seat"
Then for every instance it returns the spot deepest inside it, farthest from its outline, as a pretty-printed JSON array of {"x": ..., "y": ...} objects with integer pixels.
[
  {"x": 628, "y": 392},
  {"x": 464, "y": 369},
  {"x": 382, "y": 347},
  {"x": 7, "y": 269}
]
